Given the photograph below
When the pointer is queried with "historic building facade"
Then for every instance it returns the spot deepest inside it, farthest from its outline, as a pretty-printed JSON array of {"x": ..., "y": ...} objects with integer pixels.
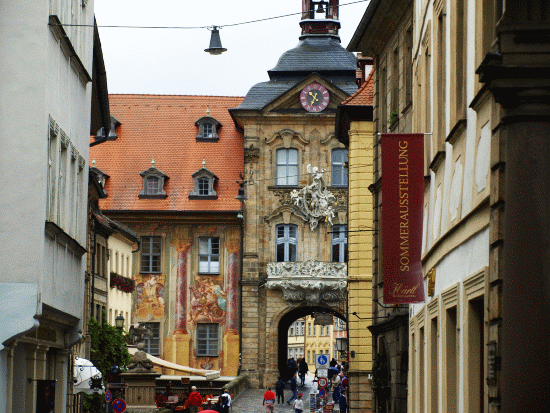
[
  {"x": 295, "y": 245},
  {"x": 47, "y": 86},
  {"x": 172, "y": 173},
  {"x": 465, "y": 66}
]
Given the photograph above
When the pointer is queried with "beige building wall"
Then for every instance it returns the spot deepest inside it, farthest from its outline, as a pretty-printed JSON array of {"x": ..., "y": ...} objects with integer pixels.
[
  {"x": 360, "y": 265},
  {"x": 120, "y": 263},
  {"x": 296, "y": 338}
]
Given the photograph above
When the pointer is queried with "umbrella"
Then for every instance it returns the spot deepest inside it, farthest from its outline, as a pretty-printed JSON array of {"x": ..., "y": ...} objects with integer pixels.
[
  {"x": 209, "y": 411},
  {"x": 83, "y": 371}
]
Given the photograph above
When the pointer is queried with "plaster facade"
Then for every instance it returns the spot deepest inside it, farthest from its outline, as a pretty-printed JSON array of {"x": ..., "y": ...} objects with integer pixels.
[{"x": 45, "y": 95}]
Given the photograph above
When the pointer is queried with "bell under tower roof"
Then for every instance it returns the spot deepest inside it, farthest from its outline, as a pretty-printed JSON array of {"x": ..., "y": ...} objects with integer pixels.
[{"x": 320, "y": 18}]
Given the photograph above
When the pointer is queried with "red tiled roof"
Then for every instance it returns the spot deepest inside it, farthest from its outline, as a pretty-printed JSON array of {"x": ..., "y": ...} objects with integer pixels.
[
  {"x": 363, "y": 96},
  {"x": 162, "y": 127}
]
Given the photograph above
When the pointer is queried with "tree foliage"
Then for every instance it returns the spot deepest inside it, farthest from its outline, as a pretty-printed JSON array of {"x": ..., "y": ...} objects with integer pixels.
[{"x": 108, "y": 348}]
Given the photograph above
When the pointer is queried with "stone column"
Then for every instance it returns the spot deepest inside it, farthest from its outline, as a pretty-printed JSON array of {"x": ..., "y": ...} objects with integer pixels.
[
  {"x": 30, "y": 393},
  {"x": 181, "y": 287},
  {"x": 61, "y": 371},
  {"x": 518, "y": 76}
]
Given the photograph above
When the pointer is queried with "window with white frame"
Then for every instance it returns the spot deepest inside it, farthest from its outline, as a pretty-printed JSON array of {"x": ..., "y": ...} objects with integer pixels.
[
  {"x": 208, "y": 129},
  {"x": 339, "y": 243},
  {"x": 302, "y": 327},
  {"x": 287, "y": 242},
  {"x": 287, "y": 167},
  {"x": 207, "y": 339},
  {"x": 339, "y": 170},
  {"x": 150, "y": 254},
  {"x": 209, "y": 255},
  {"x": 203, "y": 184}
]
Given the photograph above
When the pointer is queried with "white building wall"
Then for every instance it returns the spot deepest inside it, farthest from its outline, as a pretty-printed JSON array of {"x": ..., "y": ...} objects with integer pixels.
[{"x": 38, "y": 83}]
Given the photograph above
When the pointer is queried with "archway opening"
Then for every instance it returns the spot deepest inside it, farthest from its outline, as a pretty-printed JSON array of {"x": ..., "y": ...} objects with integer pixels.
[{"x": 311, "y": 332}]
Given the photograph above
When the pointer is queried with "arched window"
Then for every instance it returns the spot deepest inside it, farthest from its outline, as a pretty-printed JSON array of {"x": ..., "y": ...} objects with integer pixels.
[
  {"x": 287, "y": 167},
  {"x": 339, "y": 170}
]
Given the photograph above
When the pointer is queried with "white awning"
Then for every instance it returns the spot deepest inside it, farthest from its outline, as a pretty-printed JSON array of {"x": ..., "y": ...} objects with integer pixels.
[
  {"x": 208, "y": 374},
  {"x": 83, "y": 371}
]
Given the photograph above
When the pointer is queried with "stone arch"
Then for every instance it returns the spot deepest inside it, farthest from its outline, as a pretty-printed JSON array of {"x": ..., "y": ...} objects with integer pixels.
[{"x": 278, "y": 328}]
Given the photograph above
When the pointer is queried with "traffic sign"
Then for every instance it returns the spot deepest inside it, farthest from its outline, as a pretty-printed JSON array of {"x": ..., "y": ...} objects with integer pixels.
[
  {"x": 322, "y": 372},
  {"x": 119, "y": 405},
  {"x": 108, "y": 396},
  {"x": 322, "y": 382},
  {"x": 321, "y": 361},
  {"x": 322, "y": 393}
]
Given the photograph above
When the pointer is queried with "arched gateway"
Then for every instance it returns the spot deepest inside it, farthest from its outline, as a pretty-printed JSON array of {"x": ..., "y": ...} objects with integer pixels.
[{"x": 295, "y": 217}]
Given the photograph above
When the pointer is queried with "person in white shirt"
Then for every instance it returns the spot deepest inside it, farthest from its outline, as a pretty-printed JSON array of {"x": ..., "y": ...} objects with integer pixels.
[
  {"x": 226, "y": 401},
  {"x": 299, "y": 404}
]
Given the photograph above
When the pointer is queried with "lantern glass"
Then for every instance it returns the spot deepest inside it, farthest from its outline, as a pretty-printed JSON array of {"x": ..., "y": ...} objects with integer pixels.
[
  {"x": 119, "y": 321},
  {"x": 341, "y": 344}
]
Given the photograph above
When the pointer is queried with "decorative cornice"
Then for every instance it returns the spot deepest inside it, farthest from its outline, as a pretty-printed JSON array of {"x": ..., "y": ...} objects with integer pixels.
[
  {"x": 287, "y": 135},
  {"x": 311, "y": 281},
  {"x": 456, "y": 131}
]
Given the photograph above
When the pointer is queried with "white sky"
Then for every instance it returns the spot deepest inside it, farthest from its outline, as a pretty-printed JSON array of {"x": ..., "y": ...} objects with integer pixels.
[{"x": 173, "y": 61}]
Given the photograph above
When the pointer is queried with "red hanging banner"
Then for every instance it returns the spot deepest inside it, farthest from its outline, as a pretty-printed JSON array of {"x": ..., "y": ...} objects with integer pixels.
[{"x": 402, "y": 201}]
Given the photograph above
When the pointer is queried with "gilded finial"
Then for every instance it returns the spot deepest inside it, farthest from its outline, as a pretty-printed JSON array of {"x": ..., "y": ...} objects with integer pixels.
[
  {"x": 93, "y": 163},
  {"x": 203, "y": 163},
  {"x": 207, "y": 111},
  {"x": 153, "y": 162}
]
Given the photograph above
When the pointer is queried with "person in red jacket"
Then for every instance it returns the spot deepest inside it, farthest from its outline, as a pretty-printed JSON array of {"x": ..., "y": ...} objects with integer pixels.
[
  {"x": 194, "y": 401},
  {"x": 269, "y": 400}
]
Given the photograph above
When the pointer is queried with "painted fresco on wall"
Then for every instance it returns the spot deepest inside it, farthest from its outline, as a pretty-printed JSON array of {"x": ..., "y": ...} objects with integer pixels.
[
  {"x": 208, "y": 301},
  {"x": 207, "y": 363},
  {"x": 150, "y": 301}
]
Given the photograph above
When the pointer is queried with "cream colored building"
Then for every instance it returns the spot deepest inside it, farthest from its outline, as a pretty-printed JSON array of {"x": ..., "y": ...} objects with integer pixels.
[
  {"x": 296, "y": 338},
  {"x": 121, "y": 282}
]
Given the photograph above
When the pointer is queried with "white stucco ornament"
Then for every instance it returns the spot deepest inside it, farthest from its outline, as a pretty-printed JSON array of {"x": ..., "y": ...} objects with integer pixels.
[
  {"x": 314, "y": 200},
  {"x": 312, "y": 282}
]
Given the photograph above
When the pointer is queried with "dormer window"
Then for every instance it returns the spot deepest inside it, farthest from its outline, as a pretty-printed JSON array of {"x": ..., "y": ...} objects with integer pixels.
[
  {"x": 203, "y": 184},
  {"x": 208, "y": 129},
  {"x": 153, "y": 183}
]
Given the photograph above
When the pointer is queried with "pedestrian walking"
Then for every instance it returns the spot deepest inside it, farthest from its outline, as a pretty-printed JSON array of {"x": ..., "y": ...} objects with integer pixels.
[
  {"x": 343, "y": 402},
  {"x": 279, "y": 389},
  {"x": 299, "y": 404},
  {"x": 226, "y": 401},
  {"x": 269, "y": 400},
  {"x": 293, "y": 388},
  {"x": 194, "y": 401},
  {"x": 303, "y": 369}
]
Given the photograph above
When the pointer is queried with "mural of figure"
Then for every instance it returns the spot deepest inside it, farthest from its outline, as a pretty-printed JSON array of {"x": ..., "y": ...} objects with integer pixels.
[
  {"x": 150, "y": 300},
  {"x": 208, "y": 303}
]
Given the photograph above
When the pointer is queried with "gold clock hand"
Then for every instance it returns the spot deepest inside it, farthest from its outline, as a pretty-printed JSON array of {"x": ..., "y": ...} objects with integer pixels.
[{"x": 315, "y": 99}]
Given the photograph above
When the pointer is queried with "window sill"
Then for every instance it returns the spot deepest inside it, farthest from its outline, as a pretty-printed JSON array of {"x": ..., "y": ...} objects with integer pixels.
[
  {"x": 207, "y": 355},
  {"x": 208, "y": 273},
  {"x": 203, "y": 196},
  {"x": 201, "y": 139},
  {"x": 149, "y": 272},
  {"x": 159, "y": 196},
  {"x": 274, "y": 187}
]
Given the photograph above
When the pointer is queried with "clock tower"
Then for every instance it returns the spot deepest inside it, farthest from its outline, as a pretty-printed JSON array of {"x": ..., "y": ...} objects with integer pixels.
[{"x": 294, "y": 265}]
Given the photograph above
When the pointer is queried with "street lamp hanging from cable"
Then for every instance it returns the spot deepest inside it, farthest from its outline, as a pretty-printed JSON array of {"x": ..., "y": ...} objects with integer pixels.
[{"x": 215, "y": 42}]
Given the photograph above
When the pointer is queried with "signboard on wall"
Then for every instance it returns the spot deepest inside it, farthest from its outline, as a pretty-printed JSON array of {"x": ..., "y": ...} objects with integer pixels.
[{"x": 402, "y": 214}]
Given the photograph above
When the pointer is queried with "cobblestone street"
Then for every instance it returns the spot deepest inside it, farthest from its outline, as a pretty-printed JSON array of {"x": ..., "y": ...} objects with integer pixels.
[{"x": 250, "y": 401}]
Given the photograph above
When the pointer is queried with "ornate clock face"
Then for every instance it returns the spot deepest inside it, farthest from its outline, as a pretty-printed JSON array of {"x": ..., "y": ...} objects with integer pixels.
[{"x": 314, "y": 97}]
